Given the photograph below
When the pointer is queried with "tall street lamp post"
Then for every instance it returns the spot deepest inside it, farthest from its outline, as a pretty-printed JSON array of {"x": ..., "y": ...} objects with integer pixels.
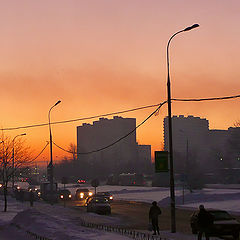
[
  {"x": 172, "y": 193},
  {"x": 50, "y": 166},
  {"x": 13, "y": 163}
]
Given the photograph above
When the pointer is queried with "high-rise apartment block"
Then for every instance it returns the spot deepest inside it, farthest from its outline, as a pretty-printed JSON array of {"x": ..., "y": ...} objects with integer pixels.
[
  {"x": 112, "y": 144},
  {"x": 193, "y": 139}
]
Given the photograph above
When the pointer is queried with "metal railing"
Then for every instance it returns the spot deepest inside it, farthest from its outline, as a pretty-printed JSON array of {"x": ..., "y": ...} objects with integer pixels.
[{"x": 123, "y": 231}]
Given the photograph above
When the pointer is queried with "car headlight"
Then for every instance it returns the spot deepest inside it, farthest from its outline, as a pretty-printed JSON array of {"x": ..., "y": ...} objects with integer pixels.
[
  {"x": 61, "y": 196},
  {"x": 90, "y": 193}
]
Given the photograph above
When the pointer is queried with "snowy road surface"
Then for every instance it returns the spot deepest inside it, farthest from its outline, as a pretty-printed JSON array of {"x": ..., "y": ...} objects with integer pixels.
[{"x": 63, "y": 223}]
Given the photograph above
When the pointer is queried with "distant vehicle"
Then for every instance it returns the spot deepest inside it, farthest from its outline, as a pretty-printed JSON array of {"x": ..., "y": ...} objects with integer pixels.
[
  {"x": 81, "y": 181},
  {"x": 129, "y": 179},
  {"x": 224, "y": 224},
  {"x": 32, "y": 188},
  {"x": 98, "y": 205},
  {"x": 83, "y": 193},
  {"x": 45, "y": 192},
  {"x": 126, "y": 179},
  {"x": 106, "y": 195},
  {"x": 64, "y": 194}
]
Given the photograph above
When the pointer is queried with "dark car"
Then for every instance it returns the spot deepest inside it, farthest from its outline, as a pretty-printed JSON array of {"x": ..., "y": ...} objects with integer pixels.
[
  {"x": 83, "y": 193},
  {"x": 64, "y": 194},
  {"x": 106, "y": 195},
  {"x": 223, "y": 225},
  {"x": 98, "y": 205}
]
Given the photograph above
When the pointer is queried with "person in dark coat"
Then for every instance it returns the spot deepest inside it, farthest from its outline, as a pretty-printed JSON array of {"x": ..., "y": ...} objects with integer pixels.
[
  {"x": 31, "y": 198},
  {"x": 205, "y": 220},
  {"x": 153, "y": 216}
]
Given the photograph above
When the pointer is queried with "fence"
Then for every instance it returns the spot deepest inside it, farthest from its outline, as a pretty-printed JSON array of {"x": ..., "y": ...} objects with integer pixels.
[{"x": 123, "y": 231}]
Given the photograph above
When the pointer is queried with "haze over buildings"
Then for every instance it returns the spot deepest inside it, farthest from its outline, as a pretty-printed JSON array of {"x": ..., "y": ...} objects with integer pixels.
[
  {"x": 210, "y": 149},
  {"x": 123, "y": 156}
]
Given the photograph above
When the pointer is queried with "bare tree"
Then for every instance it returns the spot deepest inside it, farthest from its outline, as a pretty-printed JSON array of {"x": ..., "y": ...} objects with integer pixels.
[
  {"x": 22, "y": 158},
  {"x": 73, "y": 149},
  {"x": 236, "y": 123}
]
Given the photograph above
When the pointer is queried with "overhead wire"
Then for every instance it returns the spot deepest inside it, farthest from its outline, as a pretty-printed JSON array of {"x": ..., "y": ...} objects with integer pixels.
[
  {"x": 204, "y": 99},
  {"x": 156, "y": 111},
  {"x": 40, "y": 152},
  {"x": 118, "y": 140},
  {"x": 120, "y": 112},
  {"x": 80, "y": 119}
]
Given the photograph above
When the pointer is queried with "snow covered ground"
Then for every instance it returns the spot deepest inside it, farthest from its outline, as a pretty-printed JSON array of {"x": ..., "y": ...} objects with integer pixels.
[
  {"x": 58, "y": 223},
  {"x": 55, "y": 222},
  {"x": 226, "y": 199}
]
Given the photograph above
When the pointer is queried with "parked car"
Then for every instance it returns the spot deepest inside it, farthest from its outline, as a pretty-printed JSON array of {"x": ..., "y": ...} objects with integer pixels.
[
  {"x": 224, "y": 224},
  {"x": 98, "y": 205},
  {"x": 83, "y": 193},
  {"x": 64, "y": 194},
  {"x": 106, "y": 195}
]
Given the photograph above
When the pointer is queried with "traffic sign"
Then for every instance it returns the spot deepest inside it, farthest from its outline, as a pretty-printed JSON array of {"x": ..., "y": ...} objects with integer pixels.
[{"x": 161, "y": 161}]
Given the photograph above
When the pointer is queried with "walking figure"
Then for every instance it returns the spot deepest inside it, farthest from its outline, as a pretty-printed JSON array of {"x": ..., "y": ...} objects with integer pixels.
[
  {"x": 31, "y": 198},
  {"x": 205, "y": 220},
  {"x": 153, "y": 216}
]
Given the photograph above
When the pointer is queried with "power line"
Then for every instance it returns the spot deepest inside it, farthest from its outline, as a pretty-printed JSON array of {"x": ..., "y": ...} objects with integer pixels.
[
  {"x": 118, "y": 140},
  {"x": 79, "y": 119},
  {"x": 155, "y": 111},
  {"x": 204, "y": 99},
  {"x": 40, "y": 153},
  {"x": 120, "y": 112}
]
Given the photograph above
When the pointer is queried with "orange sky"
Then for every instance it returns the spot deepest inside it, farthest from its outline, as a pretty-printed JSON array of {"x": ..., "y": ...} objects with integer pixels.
[{"x": 110, "y": 55}]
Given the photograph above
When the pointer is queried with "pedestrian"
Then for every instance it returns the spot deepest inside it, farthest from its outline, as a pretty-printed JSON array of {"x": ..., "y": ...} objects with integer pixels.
[
  {"x": 204, "y": 220},
  {"x": 31, "y": 198},
  {"x": 153, "y": 217}
]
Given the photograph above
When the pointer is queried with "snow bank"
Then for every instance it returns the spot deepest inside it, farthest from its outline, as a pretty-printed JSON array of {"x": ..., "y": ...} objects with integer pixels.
[
  {"x": 200, "y": 197},
  {"x": 51, "y": 227}
]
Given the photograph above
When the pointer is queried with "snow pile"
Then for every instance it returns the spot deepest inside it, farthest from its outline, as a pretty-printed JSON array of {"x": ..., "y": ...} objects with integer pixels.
[
  {"x": 12, "y": 209},
  {"x": 199, "y": 197},
  {"x": 53, "y": 228}
]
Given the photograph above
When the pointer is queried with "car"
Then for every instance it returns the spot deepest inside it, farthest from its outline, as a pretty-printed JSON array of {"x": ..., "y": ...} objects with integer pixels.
[
  {"x": 64, "y": 194},
  {"x": 33, "y": 188},
  {"x": 81, "y": 181},
  {"x": 83, "y": 193},
  {"x": 98, "y": 205},
  {"x": 107, "y": 195},
  {"x": 224, "y": 224}
]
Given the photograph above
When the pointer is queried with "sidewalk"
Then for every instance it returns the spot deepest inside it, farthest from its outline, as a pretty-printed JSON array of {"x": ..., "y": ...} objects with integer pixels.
[{"x": 45, "y": 219}]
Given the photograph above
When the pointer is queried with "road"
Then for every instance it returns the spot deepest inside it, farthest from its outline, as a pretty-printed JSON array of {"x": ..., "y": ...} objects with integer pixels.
[{"x": 135, "y": 215}]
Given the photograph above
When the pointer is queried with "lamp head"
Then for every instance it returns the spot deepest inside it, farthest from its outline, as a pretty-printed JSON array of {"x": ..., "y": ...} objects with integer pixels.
[
  {"x": 57, "y": 103},
  {"x": 191, "y": 27}
]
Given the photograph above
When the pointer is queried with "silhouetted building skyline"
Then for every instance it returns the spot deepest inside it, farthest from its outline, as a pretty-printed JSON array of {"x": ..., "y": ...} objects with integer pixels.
[
  {"x": 123, "y": 156},
  {"x": 210, "y": 149}
]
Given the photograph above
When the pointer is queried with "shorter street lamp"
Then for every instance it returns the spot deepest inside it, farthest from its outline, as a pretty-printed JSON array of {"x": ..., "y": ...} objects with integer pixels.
[
  {"x": 13, "y": 174},
  {"x": 51, "y": 157}
]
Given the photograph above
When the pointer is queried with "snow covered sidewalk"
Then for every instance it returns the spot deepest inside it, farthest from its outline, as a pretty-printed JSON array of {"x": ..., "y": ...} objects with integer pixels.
[{"x": 59, "y": 223}]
